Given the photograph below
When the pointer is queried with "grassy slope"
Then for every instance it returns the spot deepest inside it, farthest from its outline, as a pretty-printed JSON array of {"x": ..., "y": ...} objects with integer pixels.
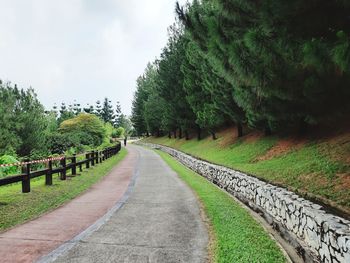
[
  {"x": 238, "y": 237},
  {"x": 16, "y": 207},
  {"x": 319, "y": 167}
]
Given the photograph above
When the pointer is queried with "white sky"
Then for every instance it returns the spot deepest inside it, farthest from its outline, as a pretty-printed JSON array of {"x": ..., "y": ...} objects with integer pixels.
[{"x": 81, "y": 49}]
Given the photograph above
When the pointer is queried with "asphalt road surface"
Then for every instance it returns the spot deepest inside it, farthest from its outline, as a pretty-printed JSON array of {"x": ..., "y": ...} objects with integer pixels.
[{"x": 158, "y": 221}]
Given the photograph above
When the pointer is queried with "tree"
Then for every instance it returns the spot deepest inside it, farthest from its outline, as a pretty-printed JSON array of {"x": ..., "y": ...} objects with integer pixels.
[
  {"x": 89, "y": 109},
  {"x": 125, "y": 122},
  {"x": 282, "y": 62},
  {"x": 145, "y": 84},
  {"x": 76, "y": 108},
  {"x": 107, "y": 111},
  {"x": 153, "y": 114},
  {"x": 85, "y": 125},
  {"x": 118, "y": 111},
  {"x": 207, "y": 92},
  {"x": 23, "y": 122},
  {"x": 178, "y": 114},
  {"x": 65, "y": 113},
  {"x": 98, "y": 108}
]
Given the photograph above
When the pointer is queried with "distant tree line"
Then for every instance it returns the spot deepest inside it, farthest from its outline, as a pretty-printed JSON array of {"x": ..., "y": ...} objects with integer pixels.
[
  {"x": 27, "y": 130},
  {"x": 270, "y": 65},
  {"x": 104, "y": 110}
]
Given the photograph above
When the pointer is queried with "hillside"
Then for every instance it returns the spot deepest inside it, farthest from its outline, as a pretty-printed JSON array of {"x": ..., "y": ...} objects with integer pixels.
[{"x": 316, "y": 166}]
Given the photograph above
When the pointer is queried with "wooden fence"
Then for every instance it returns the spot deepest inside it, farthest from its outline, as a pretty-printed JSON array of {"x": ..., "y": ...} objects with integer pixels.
[{"x": 91, "y": 159}]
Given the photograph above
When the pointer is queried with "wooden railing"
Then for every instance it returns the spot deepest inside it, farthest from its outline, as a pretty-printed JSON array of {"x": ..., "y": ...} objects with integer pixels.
[{"x": 91, "y": 159}]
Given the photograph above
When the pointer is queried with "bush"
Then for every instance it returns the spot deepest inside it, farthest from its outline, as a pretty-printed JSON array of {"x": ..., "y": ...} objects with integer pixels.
[
  {"x": 88, "y": 129},
  {"x": 119, "y": 132},
  {"x": 4, "y": 171},
  {"x": 59, "y": 143}
]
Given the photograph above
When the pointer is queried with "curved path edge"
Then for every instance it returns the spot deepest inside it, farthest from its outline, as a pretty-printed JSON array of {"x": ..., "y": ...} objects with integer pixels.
[
  {"x": 314, "y": 234},
  {"x": 64, "y": 248},
  {"x": 159, "y": 222},
  {"x": 62, "y": 227}
]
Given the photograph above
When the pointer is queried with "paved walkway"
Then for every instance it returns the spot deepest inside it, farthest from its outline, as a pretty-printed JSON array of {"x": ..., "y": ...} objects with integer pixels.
[
  {"x": 30, "y": 241},
  {"x": 159, "y": 222}
]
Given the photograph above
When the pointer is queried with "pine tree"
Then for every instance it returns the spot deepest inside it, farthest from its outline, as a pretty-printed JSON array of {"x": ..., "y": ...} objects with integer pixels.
[
  {"x": 107, "y": 112},
  {"x": 98, "y": 108},
  {"x": 284, "y": 60}
]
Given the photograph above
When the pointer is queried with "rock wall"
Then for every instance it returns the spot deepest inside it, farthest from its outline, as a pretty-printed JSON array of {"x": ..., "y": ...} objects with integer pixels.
[{"x": 316, "y": 235}]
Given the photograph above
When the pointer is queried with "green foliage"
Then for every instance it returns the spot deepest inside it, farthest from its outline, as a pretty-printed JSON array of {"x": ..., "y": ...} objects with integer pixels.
[
  {"x": 107, "y": 112},
  {"x": 283, "y": 60},
  {"x": 23, "y": 121},
  {"x": 118, "y": 133},
  {"x": 23, "y": 207},
  {"x": 88, "y": 128},
  {"x": 58, "y": 143},
  {"x": 126, "y": 124},
  {"x": 307, "y": 168},
  {"x": 145, "y": 86},
  {"x": 238, "y": 237},
  {"x": 7, "y": 159}
]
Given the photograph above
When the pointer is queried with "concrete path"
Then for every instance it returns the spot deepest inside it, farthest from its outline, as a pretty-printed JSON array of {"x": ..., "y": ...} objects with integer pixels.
[
  {"x": 30, "y": 241},
  {"x": 159, "y": 222}
]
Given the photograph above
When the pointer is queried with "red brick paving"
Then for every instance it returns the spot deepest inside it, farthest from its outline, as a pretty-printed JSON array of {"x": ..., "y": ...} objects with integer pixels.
[{"x": 36, "y": 238}]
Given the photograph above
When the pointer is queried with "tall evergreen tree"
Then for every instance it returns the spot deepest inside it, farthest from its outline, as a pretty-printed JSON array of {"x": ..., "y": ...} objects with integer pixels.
[
  {"x": 23, "y": 122},
  {"x": 107, "y": 112},
  {"x": 280, "y": 59}
]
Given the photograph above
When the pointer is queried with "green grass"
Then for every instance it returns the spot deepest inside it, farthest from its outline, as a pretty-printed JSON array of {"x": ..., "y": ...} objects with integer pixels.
[
  {"x": 16, "y": 207},
  {"x": 310, "y": 168},
  {"x": 237, "y": 236}
]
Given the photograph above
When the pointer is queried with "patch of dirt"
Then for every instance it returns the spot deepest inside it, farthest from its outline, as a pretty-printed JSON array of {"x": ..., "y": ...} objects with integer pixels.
[
  {"x": 337, "y": 148},
  {"x": 314, "y": 179},
  {"x": 253, "y": 136},
  {"x": 227, "y": 136},
  {"x": 344, "y": 182},
  {"x": 281, "y": 147}
]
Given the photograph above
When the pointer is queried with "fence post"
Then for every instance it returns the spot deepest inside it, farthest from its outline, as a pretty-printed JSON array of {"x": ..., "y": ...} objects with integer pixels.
[
  {"x": 93, "y": 158},
  {"x": 87, "y": 156},
  {"x": 63, "y": 172},
  {"x": 74, "y": 165},
  {"x": 26, "y": 178},
  {"x": 96, "y": 156},
  {"x": 100, "y": 155},
  {"x": 48, "y": 175}
]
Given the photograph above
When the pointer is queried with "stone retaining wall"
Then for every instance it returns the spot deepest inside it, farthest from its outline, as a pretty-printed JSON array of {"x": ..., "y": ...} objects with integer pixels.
[{"x": 316, "y": 235}]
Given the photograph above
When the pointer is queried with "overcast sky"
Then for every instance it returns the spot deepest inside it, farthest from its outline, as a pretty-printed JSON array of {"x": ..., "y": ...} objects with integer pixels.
[{"x": 81, "y": 49}]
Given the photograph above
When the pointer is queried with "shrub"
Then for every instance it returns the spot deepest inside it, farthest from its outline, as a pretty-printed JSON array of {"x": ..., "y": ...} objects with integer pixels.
[
  {"x": 4, "y": 171},
  {"x": 118, "y": 133},
  {"x": 88, "y": 129}
]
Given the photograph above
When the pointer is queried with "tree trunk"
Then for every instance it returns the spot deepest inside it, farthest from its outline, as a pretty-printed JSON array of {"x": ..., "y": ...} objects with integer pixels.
[
  {"x": 175, "y": 134},
  {"x": 302, "y": 127},
  {"x": 267, "y": 131},
  {"x": 239, "y": 129},
  {"x": 158, "y": 133},
  {"x": 180, "y": 133},
  {"x": 169, "y": 135},
  {"x": 213, "y": 135},
  {"x": 199, "y": 130},
  {"x": 147, "y": 134},
  {"x": 186, "y": 135}
]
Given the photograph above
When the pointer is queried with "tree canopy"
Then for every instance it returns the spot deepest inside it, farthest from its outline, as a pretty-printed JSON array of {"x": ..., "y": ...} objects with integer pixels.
[{"x": 269, "y": 65}]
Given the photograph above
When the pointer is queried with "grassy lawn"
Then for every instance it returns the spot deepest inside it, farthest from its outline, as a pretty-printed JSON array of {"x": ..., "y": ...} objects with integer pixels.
[
  {"x": 317, "y": 167},
  {"x": 237, "y": 236},
  {"x": 16, "y": 207}
]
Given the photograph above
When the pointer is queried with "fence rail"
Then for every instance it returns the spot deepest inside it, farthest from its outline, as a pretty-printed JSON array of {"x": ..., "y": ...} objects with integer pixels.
[{"x": 91, "y": 158}]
